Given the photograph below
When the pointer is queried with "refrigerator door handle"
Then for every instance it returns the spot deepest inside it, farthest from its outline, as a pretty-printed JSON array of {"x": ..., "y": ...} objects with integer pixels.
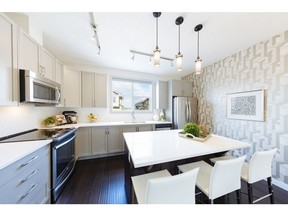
[
  {"x": 189, "y": 111},
  {"x": 186, "y": 111}
]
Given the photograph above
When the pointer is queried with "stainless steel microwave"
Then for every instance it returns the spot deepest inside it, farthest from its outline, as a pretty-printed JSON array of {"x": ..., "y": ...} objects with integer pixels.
[{"x": 37, "y": 89}]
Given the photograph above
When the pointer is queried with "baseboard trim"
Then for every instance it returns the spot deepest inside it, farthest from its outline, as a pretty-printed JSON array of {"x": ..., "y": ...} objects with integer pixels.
[{"x": 280, "y": 184}]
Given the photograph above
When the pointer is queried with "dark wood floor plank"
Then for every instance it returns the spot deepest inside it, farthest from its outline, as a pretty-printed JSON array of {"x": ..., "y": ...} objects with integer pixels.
[{"x": 101, "y": 181}]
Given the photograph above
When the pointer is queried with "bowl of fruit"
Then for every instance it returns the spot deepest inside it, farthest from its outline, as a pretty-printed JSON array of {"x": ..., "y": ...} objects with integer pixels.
[{"x": 92, "y": 117}]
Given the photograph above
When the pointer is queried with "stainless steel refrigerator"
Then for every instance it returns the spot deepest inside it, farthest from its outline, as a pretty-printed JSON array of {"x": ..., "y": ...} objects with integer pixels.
[{"x": 184, "y": 111}]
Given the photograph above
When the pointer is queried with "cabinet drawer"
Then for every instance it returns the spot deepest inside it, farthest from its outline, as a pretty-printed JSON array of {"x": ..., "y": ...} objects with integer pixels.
[
  {"x": 22, "y": 187},
  {"x": 21, "y": 165}
]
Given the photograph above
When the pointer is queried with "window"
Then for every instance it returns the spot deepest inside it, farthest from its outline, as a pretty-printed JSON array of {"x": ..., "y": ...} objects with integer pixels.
[{"x": 131, "y": 95}]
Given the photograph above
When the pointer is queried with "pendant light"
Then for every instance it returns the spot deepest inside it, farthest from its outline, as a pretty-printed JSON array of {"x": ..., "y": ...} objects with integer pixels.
[
  {"x": 198, "y": 61},
  {"x": 179, "y": 56},
  {"x": 157, "y": 50}
]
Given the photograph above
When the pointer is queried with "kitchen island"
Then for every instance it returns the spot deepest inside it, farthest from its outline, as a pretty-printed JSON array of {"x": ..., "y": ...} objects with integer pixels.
[{"x": 156, "y": 150}]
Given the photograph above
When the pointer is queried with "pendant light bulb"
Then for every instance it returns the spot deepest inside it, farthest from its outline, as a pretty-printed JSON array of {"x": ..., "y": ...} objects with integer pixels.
[
  {"x": 157, "y": 57},
  {"x": 157, "y": 50},
  {"x": 179, "y": 56},
  {"x": 198, "y": 61},
  {"x": 179, "y": 61},
  {"x": 198, "y": 65}
]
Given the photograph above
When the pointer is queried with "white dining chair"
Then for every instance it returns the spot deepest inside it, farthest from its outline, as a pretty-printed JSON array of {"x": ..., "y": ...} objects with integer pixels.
[
  {"x": 257, "y": 169},
  {"x": 219, "y": 180},
  {"x": 163, "y": 188}
]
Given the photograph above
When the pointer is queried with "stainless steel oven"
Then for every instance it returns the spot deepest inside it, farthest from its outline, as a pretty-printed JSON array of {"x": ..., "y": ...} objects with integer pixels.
[
  {"x": 62, "y": 153},
  {"x": 63, "y": 161}
]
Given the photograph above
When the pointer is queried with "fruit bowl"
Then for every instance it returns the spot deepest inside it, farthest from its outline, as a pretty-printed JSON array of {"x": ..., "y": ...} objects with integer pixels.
[{"x": 92, "y": 117}]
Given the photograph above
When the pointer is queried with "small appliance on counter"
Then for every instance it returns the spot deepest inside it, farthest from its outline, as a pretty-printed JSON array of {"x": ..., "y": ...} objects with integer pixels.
[
  {"x": 60, "y": 120},
  {"x": 70, "y": 116}
]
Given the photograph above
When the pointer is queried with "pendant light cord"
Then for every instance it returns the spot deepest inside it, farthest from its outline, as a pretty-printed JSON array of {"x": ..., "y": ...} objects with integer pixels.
[
  {"x": 157, "y": 33},
  {"x": 179, "y": 40},
  {"x": 198, "y": 45}
]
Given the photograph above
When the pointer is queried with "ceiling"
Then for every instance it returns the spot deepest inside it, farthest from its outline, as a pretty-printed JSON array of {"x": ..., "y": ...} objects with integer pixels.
[{"x": 67, "y": 35}]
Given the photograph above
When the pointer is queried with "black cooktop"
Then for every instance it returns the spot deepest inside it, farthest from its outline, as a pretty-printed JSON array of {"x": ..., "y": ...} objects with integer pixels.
[{"x": 36, "y": 134}]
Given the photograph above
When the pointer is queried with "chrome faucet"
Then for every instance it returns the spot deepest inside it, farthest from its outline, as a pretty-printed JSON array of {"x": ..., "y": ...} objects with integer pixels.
[{"x": 133, "y": 116}]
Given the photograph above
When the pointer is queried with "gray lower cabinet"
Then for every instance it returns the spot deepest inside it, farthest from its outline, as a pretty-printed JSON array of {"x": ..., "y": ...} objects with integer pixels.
[
  {"x": 27, "y": 181},
  {"x": 138, "y": 128},
  {"x": 99, "y": 141}
]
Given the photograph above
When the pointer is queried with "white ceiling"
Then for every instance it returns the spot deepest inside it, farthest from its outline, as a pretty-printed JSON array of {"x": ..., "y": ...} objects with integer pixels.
[{"x": 67, "y": 35}]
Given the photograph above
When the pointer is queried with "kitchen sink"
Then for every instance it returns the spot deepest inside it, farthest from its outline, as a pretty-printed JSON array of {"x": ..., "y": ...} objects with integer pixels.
[{"x": 134, "y": 122}]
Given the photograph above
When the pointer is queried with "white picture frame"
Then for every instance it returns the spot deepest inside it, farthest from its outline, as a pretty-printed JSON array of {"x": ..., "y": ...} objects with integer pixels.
[{"x": 247, "y": 105}]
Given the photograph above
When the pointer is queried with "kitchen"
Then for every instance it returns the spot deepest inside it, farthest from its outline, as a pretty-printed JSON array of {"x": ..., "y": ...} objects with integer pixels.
[{"x": 211, "y": 88}]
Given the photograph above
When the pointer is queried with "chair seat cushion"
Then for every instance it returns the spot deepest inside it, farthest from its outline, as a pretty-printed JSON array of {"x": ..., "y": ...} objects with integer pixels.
[
  {"x": 226, "y": 157},
  {"x": 204, "y": 174}
]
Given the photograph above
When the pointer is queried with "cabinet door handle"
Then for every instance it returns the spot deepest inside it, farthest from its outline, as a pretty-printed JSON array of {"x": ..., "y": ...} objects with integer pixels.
[
  {"x": 27, "y": 193},
  {"x": 32, "y": 159},
  {"x": 29, "y": 176}
]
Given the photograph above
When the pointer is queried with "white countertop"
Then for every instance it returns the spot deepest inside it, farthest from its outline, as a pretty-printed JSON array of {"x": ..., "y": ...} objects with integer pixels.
[
  {"x": 117, "y": 123},
  {"x": 13, "y": 151},
  {"x": 155, "y": 147}
]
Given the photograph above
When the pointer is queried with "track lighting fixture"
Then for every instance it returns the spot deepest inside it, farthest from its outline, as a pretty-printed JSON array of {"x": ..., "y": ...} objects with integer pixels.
[
  {"x": 95, "y": 37},
  {"x": 150, "y": 56}
]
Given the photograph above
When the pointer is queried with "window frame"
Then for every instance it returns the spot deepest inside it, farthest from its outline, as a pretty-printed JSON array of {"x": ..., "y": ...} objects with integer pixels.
[{"x": 132, "y": 80}]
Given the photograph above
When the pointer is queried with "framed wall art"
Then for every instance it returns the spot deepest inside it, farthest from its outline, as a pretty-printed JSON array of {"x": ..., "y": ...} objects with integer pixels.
[{"x": 248, "y": 105}]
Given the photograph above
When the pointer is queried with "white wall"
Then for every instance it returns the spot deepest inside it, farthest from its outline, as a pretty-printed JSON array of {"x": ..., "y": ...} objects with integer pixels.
[{"x": 23, "y": 117}]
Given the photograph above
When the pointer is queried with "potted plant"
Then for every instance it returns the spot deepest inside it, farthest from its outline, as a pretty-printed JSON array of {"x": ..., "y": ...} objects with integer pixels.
[
  {"x": 195, "y": 131},
  {"x": 50, "y": 121},
  {"x": 192, "y": 128}
]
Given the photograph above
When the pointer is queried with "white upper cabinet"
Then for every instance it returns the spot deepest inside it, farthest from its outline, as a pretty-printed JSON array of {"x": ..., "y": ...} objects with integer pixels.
[
  {"x": 161, "y": 95},
  {"x": 32, "y": 56},
  {"x": 181, "y": 88},
  {"x": 29, "y": 53},
  {"x": 94, "y": 90},
  {"x": 47, "y": 66},
  {"x": 58, "y": 71},
  {"x": 8, "y": 60},
  {"x": 87, "y": 86},
  {"x": 71, "y": 88}
]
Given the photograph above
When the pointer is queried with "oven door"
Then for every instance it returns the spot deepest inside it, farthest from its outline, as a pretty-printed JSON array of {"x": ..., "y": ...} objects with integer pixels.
[{"x": 63, "y": 161}]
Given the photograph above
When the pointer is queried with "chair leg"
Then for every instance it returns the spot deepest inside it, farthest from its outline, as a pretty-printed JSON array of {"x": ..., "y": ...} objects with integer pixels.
[
  {"x": 270, "y": 188},
  {"x": 228, "y": 198},
  {"x": 250, "y": 193},
  {"x": 239, "y": 199}
]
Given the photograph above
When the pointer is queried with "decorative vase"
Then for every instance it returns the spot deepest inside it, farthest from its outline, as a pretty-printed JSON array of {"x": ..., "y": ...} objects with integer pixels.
[
  {"x": 156, "y": 117},
  {"x": 162, "y": 115}
]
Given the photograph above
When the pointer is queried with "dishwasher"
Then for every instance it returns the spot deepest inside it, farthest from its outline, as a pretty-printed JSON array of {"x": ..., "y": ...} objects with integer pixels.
[{"x": 160, "y": 127}]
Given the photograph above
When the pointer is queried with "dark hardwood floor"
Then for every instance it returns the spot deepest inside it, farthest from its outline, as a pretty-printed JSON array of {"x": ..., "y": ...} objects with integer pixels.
[{"x": 101, "y": 181}]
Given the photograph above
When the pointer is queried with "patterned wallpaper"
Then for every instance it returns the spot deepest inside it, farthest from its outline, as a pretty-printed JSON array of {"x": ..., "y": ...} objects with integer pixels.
[{"x": 262, "y": 66}]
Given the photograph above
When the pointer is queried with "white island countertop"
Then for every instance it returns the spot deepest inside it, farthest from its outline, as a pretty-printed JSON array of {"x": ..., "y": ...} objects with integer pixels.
[
  {"x": 13, "y": 151},
  {"x": 155, "y": 147}
]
